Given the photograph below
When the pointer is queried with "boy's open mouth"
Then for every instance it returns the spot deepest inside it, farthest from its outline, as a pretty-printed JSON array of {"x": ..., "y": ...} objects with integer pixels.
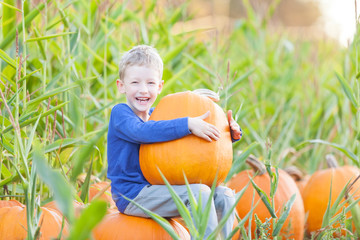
[{"x": 142, "y": 100}]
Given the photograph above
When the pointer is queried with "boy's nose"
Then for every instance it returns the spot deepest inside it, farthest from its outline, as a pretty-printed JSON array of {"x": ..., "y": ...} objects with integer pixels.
[{"x": 143, "y": 88}]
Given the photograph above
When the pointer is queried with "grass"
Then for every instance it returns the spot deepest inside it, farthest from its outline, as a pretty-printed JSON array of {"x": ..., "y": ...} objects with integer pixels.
[{"x": 58, "y": 67}]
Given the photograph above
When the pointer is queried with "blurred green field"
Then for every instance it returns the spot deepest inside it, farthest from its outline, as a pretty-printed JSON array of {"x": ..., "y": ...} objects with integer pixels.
[{"x": 58, "y": 67}]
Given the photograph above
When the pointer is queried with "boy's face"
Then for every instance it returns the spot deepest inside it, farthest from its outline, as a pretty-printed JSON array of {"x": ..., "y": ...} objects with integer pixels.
[{"x": 141, "y": 84}]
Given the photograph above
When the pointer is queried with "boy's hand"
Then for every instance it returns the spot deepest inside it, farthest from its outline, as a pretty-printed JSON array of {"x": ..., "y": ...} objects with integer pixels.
[
  {"x": 235, "y": 129},
  {"x": 202, "y": 129}
]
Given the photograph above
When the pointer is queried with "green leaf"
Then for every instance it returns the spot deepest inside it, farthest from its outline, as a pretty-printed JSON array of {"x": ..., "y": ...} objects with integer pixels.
[
  {"x": 175, "y": 51},
  {"x": 206, "y": 212},
  {"x": 48, "y": 37},
  {"x": 7, "y": 59},
  {"x": 36, "y": 101},
  {"x": 348, "y": 90},
  {"x": 279, "y": 224},
  {"x": 86, "y": 185},
  {"x": 28, "y": 75},
  {"x": 183, "y": 211},
  {"x": 5, "y": 173},
  {"x": 89, "y": 218},
  {"x": 85, "y": 153},
  {"x": 200, "y": 65},
  {"x": 31, "y": 120},
  {"x": 10, "y": 6},
  {"x": 343, "y": 149},
  {"x": 10, "y": 36},
  {"x": 62, "y": 143},
  {"x": 56, "y": 182},
  {"x": 264, "y": 198},
  {"x": 8, "y": 16},
  {"x": 239, "y": 161}
]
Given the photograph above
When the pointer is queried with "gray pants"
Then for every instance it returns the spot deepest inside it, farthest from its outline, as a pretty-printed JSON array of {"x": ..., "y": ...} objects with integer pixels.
[{"x": 157, "y": 199}]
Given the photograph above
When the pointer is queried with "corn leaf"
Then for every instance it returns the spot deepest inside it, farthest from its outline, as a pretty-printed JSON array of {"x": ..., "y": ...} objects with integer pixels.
[
  {"x": 8, "y": 15},
  {"x": 7, "y": 59},
  {"x": 86, "y": 185},
  {"x": 264, "y": 198},
  {"x": 343, "y": 149},
  {"x": 348, "y": 91},
  {"x": 89, "y": 218},
  {"x": 10, "y": 6},
  {"x": 279, "y": 224},
  {"x": 10, "y": 36},
  {"x": 48, "y": 37},
  {"x": 62, "y": 143},
  {"x": 36, "y": 101},
  {"x": 85, "y": 153},
  {"x": 57, "y": 183},
  {"x": 29, "y": 121},
  {"x": 175, "y": 51},
  {"x": 200, "y": 65},
  {"x": 240, "y": 160}
]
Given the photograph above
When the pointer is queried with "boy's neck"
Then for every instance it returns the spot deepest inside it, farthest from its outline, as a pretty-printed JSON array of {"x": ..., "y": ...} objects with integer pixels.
[{"x": 143, "y": 115}]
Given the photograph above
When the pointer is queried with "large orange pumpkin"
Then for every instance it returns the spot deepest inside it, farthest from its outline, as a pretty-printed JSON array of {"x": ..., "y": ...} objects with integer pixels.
[
  {"x": 116, "y": 225},
  {"x": 13, "y": 223},
  {"x": 198, "y": 159},
  {"x": 317, "y": 191},
  {"x": 293, "y": 227}
]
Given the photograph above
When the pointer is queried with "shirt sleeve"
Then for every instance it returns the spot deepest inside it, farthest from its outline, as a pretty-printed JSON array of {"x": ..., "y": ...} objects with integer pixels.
[{"x": 128, "y": 126}]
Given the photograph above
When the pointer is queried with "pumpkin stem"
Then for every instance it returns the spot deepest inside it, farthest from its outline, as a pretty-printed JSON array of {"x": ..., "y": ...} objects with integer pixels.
[
  {"x": 207, "y": 93},
  {"x": 256, "y": 165},
  {"x": 294, "y": 172},
  {"x": 331, "y": 161}
]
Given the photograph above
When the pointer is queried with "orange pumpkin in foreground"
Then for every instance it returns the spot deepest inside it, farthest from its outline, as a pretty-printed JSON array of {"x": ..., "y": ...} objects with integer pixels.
[
  {"x": 317, "y": 191},
  {"x": 293, "y": 227},
  {"x": 116, "y": 225},
  {"x": 198, "y": 159},
  {"x": 13, "y": 223}
]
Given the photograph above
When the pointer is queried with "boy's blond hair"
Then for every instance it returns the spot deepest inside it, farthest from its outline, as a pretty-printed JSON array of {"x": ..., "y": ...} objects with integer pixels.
[{"x": 141, "y": 55}]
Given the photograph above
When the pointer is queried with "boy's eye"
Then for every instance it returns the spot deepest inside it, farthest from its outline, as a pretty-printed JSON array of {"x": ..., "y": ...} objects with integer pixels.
[
  {"x": 134, "y": 82},
  {"x": 151, "y": 83}
]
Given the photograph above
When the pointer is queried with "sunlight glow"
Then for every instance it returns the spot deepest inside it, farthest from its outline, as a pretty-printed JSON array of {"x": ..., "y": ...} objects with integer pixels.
[{"x": 338, "y": 19}]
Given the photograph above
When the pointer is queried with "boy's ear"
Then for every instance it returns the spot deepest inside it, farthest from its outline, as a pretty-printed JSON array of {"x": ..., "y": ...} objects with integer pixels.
[
  {"x": 161, "y": 84},
  {"x": 120, "y": 86}
]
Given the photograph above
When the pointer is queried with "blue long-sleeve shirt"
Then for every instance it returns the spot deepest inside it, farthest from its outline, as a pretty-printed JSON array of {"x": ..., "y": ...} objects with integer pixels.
[{"x": 125, "y": 134}]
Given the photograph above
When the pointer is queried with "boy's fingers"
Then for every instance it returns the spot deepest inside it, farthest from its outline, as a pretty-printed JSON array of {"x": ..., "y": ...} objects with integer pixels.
[
  {"x": 229, "y": 115},
  {"x": 215, "y": 131}
]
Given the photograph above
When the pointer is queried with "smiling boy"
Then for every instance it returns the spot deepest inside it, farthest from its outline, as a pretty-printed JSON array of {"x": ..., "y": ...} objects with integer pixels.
[{"x": 140, "y": 73}]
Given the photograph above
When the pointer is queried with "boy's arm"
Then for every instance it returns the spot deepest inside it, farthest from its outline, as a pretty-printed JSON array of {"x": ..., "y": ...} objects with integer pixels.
[
  {"x": 235, "y": 129},
  {"x": 129, "y": 127}
]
